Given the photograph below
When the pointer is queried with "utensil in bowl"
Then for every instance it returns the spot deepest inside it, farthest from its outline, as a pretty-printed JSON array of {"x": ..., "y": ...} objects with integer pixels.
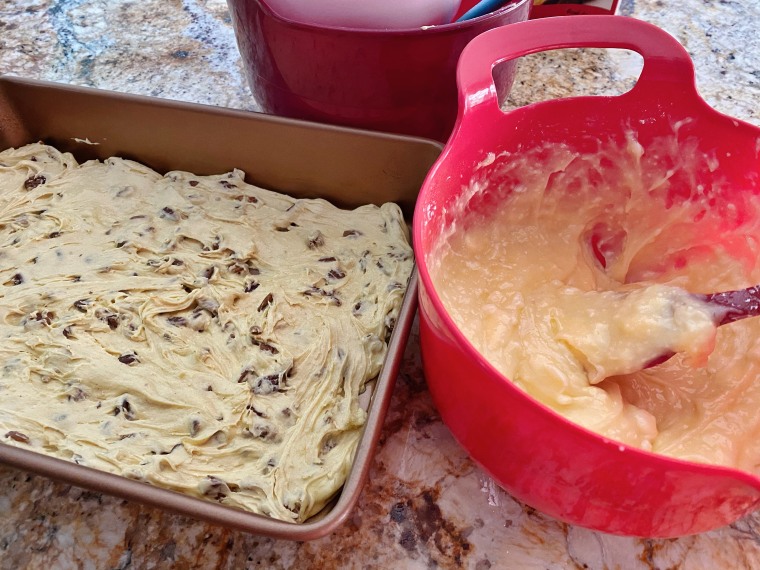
[
  {"x": 480, "y": 9},
  {"x": 375, "y": 15},
  {"x": 400, "y": 81},
  {"x": 537, "y": 455},
  {"x": 728, "y": 307}
]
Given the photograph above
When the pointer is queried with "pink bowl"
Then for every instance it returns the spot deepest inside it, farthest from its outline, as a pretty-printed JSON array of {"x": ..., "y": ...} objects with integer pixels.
[
  {"x": 400, "y": 81},
  {"x": 534, "y": 453}
]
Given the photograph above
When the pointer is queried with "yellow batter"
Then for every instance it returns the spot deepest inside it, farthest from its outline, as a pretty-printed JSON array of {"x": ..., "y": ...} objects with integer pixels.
[
  {"x": 198, "y": 333},
  {"x": 580, "y": 275}
]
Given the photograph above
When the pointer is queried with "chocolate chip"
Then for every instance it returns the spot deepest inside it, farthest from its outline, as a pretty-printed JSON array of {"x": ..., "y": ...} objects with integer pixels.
[
  {"x": 390, "y": 324},
  {"x": 53, "y": 235},
  {"x": 168, "y": 213},
  {"x": 253, "y": 409},
  {"x": 82, "y": 304},
  {"x": 261, "y": 431},
  {"x": 17, "y": 279},
  {"x": 43, "y": 316},
  {"x": 327, "y": 259},
  {"x": 266, "y": 347},
  {"x": 317, "y": 292},
  {"x": 226, "y": 184},
  {"x": 121, "y": 243},
  {"x": 126, "y": 407},
  {"x": 18, "y": 436},
  {"x": 109, "y": 317},
  {"x": 68, "y": 332},
  {"x": 266, "y": 302},
  {"x": 33, "y": 181},
  {"x": 336, "y": 274},
  {"x": 266, "y": 384},
  {"x": 129, "y": 358},
  {"x": 77, "y": 395},
  {"x": 281, "y": 229},
  {"x": 177, "y": 321},
  {"x": 327, "y": 446},
  {"x": 193, "y": 182},
  {"x": 352, "y": 233},
  {"x": 238, "y": 268},
  {"x": 251, "y": 286},
  {"x": 195, "y": 427},
  {"x": 316, "y": 240},
  {"x": 245, "y": 375},
  {"x": 249, "y": 199},
  {"x": 255, "y": 329},
  {"x": 215, "y": 488}
]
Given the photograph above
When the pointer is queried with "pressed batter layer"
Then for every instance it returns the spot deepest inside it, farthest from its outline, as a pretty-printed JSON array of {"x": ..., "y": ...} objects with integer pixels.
[
  {"x": 195, "y": 332},
  {"x": 579, "y": 273}
]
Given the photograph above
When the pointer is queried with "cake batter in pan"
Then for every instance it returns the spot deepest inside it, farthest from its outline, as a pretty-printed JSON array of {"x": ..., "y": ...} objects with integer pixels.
[{"x": 345, "y": 166}]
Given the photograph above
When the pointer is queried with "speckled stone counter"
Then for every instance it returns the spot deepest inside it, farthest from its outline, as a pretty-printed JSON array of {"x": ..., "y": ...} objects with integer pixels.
[{"x": 426, "y": 504}]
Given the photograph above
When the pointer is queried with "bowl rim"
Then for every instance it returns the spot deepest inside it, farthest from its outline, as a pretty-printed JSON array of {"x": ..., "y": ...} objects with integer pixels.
[{"x": 450, "y": 28}]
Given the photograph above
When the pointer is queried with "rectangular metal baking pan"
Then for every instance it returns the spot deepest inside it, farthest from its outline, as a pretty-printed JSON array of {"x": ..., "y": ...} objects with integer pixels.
[{"x": 346, "y": 166}]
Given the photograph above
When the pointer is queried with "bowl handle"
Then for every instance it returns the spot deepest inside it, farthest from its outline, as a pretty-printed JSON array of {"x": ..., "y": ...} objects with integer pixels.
[{"x": 665, "y": 60}]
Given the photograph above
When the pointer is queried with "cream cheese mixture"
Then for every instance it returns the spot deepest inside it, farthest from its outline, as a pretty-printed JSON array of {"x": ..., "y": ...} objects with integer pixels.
[
  {"x": 194, "y": 332},
  {"x": 580, "y": 275}
]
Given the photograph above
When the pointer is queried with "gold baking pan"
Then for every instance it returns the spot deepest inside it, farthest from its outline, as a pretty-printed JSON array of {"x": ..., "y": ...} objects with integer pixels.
[{"x": 345, "y": 166}]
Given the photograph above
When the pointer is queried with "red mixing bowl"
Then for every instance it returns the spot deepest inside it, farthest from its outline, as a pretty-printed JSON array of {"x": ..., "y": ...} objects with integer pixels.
[
  {"x": 401, "y": 81},
  {"x": 538, "y": 456}
]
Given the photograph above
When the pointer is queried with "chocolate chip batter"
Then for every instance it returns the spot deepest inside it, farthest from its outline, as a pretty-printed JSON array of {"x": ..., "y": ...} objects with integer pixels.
[{"x": 194, "y": 332}]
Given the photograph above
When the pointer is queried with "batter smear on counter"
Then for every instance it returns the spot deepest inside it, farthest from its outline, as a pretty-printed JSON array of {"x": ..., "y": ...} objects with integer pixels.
[{"x": 194, "y": 332}]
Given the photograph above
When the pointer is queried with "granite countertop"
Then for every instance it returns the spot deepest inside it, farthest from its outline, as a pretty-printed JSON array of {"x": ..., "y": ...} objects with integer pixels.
[{"x": 425, "y": 503}]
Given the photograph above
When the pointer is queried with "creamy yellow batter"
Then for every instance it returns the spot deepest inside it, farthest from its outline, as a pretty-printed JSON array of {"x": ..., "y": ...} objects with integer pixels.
[
  {"x": 198, "y": 333},
  {"x": 580, "y": 275}
]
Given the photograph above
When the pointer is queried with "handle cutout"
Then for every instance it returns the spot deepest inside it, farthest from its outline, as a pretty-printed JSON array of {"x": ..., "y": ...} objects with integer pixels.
[{"x": 569, "y": 72}]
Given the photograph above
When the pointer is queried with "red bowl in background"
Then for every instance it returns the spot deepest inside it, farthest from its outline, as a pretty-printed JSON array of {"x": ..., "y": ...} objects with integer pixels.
[
  {"x": 534, "y": 453},
  {"x": 577, "y": 8},
  {"x": 400, "y": 81}
]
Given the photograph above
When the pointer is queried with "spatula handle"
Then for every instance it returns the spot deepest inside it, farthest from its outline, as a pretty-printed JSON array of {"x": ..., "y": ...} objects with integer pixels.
[{"x": 737, "y": 305}]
